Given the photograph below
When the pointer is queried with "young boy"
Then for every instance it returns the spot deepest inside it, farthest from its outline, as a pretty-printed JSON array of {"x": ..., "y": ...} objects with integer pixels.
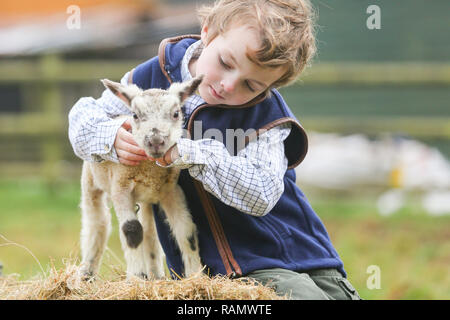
[{"x": 251, "y": 217}]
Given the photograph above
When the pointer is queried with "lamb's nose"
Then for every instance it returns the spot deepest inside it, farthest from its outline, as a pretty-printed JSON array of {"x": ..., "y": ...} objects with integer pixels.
[{"x": 156, "y": 142}]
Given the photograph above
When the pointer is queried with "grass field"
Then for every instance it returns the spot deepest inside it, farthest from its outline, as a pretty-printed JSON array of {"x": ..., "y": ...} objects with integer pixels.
[{"x": 41, "y": 227}]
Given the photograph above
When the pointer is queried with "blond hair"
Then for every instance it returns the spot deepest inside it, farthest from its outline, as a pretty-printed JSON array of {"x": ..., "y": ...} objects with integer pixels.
[{"x": 286, "y": 29}]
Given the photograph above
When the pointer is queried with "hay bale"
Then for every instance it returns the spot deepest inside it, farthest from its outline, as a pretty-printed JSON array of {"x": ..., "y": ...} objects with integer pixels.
[{"x": 65, "y": 284}]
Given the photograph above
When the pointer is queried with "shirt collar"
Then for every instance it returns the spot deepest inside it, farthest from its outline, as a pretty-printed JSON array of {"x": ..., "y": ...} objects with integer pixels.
[{"x": 185, "y": 73}]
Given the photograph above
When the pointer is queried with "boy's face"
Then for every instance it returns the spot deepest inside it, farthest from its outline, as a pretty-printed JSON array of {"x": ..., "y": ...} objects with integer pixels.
[{"x": 229, "y": 76}]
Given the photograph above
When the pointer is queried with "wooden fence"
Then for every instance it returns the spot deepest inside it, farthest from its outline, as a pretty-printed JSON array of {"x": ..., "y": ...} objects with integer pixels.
[{"x": 48, "y": 123}]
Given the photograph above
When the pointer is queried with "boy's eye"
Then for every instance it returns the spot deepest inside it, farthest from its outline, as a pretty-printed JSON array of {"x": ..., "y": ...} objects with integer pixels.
[
  {"x": 226, "y": 66},
  {"x": 249, "y": 86}
]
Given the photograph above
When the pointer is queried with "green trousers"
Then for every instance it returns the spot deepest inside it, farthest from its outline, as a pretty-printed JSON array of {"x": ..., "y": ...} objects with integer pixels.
[{"x": 322, "y": 284}]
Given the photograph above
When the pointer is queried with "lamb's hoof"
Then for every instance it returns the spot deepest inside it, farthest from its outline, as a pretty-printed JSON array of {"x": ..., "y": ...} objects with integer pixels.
[
  {"x": 139, "y": 275},
  {"x": 143, "y": 276},
  {"x": 87, "y": 276},
  {"x": 133, "y": 232}
]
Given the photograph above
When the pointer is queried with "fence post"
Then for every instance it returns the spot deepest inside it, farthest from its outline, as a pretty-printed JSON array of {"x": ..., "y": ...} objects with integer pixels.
[{"x": 50, "y": 66}]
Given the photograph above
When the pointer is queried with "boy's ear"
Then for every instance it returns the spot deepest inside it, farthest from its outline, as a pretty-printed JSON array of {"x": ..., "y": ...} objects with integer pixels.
[
  {"x": 204, "y": 34},
  {"x": 125, "y": 93},
  {"x": 186, "y": 89}
]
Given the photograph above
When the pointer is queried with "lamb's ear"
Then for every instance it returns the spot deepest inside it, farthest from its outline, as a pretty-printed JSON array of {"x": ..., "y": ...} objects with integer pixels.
[
  {"x": 186, "y": 89},
  {"x": 125, "y": 93}
]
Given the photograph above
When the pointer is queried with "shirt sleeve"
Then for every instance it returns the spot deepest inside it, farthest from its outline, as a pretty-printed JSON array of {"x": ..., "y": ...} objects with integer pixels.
[
  {"x": 251, "y": 181},
  {"x": 92, "y": 127}
]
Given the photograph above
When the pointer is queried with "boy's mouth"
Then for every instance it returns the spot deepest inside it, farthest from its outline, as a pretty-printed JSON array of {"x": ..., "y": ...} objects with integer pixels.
[{"x": 215, "y": 94}]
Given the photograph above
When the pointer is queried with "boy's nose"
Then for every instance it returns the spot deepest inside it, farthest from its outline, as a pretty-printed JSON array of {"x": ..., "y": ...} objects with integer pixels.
[{"x": 229, "y": 85}]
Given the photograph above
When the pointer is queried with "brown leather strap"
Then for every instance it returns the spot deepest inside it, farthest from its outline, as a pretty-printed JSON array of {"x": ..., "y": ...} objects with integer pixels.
[
  {"x": 162, "y": 51},
  {"x": 276, "y": 123},
  {"x": 218, "y": 232}
]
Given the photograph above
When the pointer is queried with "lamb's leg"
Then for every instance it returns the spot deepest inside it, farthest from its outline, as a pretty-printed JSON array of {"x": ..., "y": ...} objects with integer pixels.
[
  {"x": 183, "y": 229},
  {"x": 131, "y": 232},
  {"x": 96, "y": 225},
  {"x": 152, "y": 251}
]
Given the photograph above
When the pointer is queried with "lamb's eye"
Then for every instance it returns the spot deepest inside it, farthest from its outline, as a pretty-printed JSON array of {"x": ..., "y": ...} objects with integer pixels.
[
  {"x": 135, "y": 117},
  {"x": 176, "y": 114}
]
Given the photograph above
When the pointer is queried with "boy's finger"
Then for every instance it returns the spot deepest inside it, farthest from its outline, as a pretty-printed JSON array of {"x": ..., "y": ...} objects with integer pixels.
[
  {"x": 125, "y": 146},
  {"x": 128, "y": 137},
  {"x": 162, "y": 162},
  {"x": 129, "y": 156},
  {"x": 126, "y": 125}
]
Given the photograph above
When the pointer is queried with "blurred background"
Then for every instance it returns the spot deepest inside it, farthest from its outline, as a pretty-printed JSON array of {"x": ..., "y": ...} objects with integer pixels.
[{"x": 376, "y": 105}]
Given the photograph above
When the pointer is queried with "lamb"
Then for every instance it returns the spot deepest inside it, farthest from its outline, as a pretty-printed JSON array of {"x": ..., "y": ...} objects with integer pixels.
[{"x": 156, "y": 125}]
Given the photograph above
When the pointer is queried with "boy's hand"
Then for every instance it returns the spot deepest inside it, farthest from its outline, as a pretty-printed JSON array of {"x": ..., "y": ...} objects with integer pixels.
[
  {"x": 126, "y": 148},
  {"x": 170, "y": 156}
]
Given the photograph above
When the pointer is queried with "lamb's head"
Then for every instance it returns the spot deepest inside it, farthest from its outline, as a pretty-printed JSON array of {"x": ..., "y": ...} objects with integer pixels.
[{"x": 157, "y": 121}]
